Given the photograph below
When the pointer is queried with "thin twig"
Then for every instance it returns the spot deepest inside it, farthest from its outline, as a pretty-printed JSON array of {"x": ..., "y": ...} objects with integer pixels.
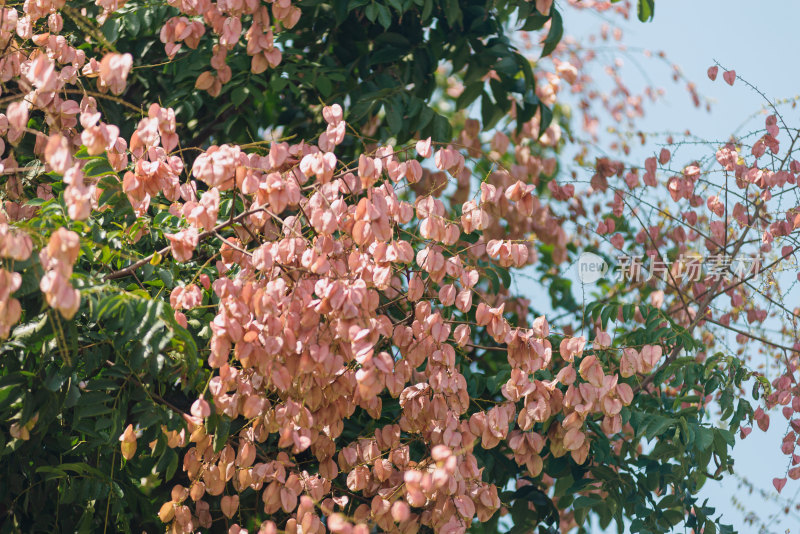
[{"x": 122, "y": 273}]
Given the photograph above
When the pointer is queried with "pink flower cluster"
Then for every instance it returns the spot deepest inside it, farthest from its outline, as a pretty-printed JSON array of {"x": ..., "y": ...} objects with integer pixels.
[
  {"x": 155, "y": 170},
  {"x": 297, "y": 347},
  {"x": 10, "y": 310},
  {"x": 14, "y": 246},
  {"x": 225, "y": 19},
  {"x": 112, "y": 72},
  {"x": 57, "y": 259},
  {"x": 43, "y": 77}
]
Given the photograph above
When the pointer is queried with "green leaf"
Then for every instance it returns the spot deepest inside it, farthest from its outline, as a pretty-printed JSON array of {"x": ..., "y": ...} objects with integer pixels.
[
  {"x": 81, "y": 469},
  {"x": 657, "y": 425},
  {"x": 56, "y": 379},
  {"x": 167, "y": 464},
  {"x": 534, "y": 22},
  {"x": 627, "y": 312},
  {"x": 490, "y": 112},
  {"x": 132, "y": 23},
  {"x": 554, "y": 35},
  {"x": 427, "y": 9},
  {"x": 371, "y": 12},
  {"x": 394, "y": 118},
  {"x": 704, "y": 437},
  {"x": 221, "y": 433},
  {"x": 494, "y": 382},
  {"x": 239, "y": 95},
  {"x": 494, "y": 280},
  {"x": 361, "y": 108},
  {"x": 726, "y": 436},
  {"x": 277, "y": 84},
  {"x": 470, "y": 93},
  {"x": 546, "y": 118},
  {"x": 441, "y": 128},
  {"x": 395, "y": 39},
  {"x": 110, "y": 29},
  {"x": 505, "y": 276},
  {"x": 325, "y": 86},
  {"x": 646, "y": 10},
  {"x": 98, "y": 167},
  {"x": 90, "y": 411},
  {"x": 452, "y": 11},
  {"x": 386, "y": 54},
  {"x": 673, "y": 517},
  {"x": 586, "y": 502},
  {"x": 384, "y": 16},
  {"x": 607, "y": 313}
]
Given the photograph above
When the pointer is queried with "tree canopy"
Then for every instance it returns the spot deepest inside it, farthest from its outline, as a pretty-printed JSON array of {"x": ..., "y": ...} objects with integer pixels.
[{"x": 261, "y": 268}]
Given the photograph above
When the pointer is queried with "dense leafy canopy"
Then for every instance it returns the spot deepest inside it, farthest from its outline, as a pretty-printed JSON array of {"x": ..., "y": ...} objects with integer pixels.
[{"x": 370, "y": 57}]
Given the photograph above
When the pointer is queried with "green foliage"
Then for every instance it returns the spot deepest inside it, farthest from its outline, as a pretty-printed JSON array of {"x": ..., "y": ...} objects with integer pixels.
[
  {"x": 369, "y": 56},
  {"x": 82, "y": 382},
  {"x": 123, "y": 359}
]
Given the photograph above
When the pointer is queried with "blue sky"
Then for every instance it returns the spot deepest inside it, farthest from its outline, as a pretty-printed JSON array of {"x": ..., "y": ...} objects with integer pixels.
[{"x": 761, "y": 41}]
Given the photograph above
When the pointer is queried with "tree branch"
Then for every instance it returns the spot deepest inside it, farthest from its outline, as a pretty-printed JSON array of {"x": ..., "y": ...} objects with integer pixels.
[
  {"x": 122, "y": 273},
  {"x": 701, "y": 312}
]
